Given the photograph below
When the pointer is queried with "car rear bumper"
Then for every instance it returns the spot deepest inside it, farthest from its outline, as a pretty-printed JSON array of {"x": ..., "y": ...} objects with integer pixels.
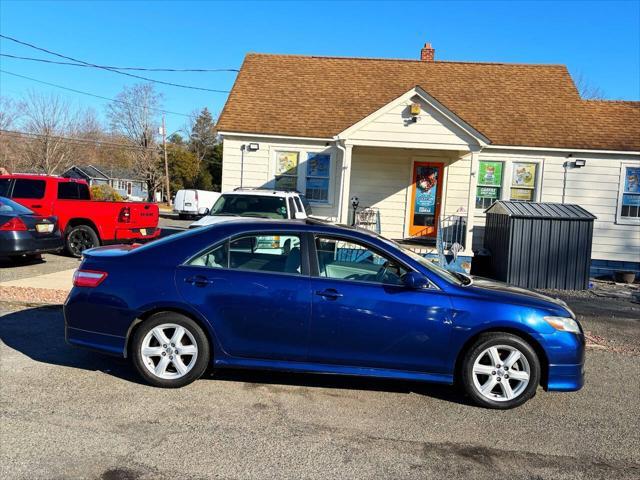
[
  {"x": 20, "y": 243},
  {"x": 148, "y": 233}
]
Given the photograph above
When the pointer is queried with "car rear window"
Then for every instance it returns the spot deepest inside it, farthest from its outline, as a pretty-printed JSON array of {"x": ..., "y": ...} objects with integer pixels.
[
  {"x": 26, "y": 188},
  {"x": 9, "y": 206},
  {"x": 73, "y": 191}
]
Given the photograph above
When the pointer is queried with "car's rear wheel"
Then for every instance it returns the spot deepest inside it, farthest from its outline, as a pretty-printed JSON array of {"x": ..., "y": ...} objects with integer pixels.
[
  {"x": 80, "y": 238},
  {"x": 500, "y": 371},
  {"x": 170, "y": 350}
]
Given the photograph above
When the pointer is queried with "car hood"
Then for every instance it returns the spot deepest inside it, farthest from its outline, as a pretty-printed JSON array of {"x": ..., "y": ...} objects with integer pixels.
[
  {"x": 211, "y": 220},
  {"x": 485, "y": 286}
]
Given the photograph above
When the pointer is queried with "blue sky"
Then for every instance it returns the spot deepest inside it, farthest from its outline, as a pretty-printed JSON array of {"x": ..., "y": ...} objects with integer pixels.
[{"x": 599, "y": 40}]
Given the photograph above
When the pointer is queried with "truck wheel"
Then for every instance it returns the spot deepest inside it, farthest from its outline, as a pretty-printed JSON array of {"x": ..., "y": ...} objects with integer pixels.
[{"x": 80, "y": 238}]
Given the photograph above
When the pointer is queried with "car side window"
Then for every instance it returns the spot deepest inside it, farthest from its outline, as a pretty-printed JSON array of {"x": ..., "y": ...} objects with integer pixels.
[
  {"x": 218, "y": 257},
  {"x": 259, "y": 253},
  {"x": 24, "y": 188},
  {"x": 5, "y": 186},
  {"x": 348, "y": 260},
  {"x": 67, "y": 191}
]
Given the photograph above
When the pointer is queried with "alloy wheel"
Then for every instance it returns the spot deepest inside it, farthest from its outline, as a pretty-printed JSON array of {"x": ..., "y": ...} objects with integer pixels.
[
  {"x": 501, "y": 373},
  {"x": 79, "y": 241},
  {"x": 169, "y": 351}
]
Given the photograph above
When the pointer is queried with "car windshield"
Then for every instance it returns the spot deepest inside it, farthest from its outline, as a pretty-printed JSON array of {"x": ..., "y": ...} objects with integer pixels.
[
  {"x": 250, "y": 206},
  {"x": 9, "y": 206},
  {"x": 451, "y": 277}
]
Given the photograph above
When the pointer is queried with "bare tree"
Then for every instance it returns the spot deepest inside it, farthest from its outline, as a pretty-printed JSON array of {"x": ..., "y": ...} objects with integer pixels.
[
  {"x": 134, "y": 117},
  {"x": 587, "y": 90},
  {"x": 48, "y": 120},
  {"x": 10, "y": 113}
]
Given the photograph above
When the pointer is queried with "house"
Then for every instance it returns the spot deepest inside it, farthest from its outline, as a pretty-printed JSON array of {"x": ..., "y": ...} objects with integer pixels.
[
  {"x": 429, "y": 145},
  {"x": 121, "y": 180}
]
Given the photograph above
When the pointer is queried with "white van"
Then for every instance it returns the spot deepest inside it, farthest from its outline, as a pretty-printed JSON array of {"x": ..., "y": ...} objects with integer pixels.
[{"x": 192, "y": 203}]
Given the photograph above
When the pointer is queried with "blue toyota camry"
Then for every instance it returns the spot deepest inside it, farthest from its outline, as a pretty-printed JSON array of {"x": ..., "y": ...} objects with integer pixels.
[{"x": 312, "y": 297}]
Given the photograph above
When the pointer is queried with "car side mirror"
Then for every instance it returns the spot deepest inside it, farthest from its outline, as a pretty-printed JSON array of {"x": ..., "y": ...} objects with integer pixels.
[
  {"x": 300, "y": 216},
  {"x": 415, "y": 281},
  {"x": 203, "y": 211}
]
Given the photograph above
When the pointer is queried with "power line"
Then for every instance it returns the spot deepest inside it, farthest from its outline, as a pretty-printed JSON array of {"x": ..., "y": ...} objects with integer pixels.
[
  {"x": 14, "y": 133},
  {"x": 143, "y": 69},
  {"x": 109, "y": 69},
  {"x": 90, "y": 94}
]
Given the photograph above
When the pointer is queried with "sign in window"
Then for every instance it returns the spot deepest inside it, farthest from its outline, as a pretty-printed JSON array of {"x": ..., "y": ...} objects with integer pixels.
[
  {"x": 523, "y": 182},
  {"x": 489, "y": 184},
  {"x": 287, "y": 170},
  {"x": 630, "y": 205},
  {"x": 317, "y": 181}
]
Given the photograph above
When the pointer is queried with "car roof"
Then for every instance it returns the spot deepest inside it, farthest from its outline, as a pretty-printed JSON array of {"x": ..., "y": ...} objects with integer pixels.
[
  {"x": 263, "y": 192},
  {"x": 36, "y": 176},
  {"x": 306, "y": 225}
]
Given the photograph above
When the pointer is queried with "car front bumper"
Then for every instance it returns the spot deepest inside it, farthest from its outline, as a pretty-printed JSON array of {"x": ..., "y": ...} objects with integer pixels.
[
  {"x": 565, "y": 355},
  {"x": 27, "y": 242}
]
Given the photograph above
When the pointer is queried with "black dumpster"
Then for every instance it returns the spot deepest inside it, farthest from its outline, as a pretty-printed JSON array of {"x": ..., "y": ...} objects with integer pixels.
[{"x": 539, "y": 245}]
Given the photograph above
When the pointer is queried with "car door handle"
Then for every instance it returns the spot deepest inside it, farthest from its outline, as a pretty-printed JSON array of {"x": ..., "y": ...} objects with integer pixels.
[
  {"x": 36, "y": 206},
  {"x": 198, "y": 281},
  {"x": 329, "y": 293}
]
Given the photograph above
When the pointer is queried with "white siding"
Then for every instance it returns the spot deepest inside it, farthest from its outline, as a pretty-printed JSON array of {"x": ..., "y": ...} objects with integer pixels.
[
  {"x": 382, "y": 179},
  {"x": 432, "y": 128},
  {"x": 259, "y": 166},
  {"x": 594, "y": 187}
]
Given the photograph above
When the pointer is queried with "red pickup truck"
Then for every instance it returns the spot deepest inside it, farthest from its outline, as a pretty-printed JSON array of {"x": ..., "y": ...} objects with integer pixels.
[{"x": 85, "y": 223}]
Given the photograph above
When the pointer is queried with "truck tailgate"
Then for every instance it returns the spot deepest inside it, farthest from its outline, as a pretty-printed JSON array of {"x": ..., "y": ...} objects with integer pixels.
[{"x": 143, "y": 214}]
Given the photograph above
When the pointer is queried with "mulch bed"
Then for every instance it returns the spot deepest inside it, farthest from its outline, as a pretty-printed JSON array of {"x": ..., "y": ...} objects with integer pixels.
[{"x": 32, "y": 295}]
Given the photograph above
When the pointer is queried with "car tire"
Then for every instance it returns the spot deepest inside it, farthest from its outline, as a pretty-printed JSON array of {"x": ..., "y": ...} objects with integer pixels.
[
  {"x": 179, "y": 368},
  {"x": 80, "y": 238},
  {"x": 500, "y": 371}
]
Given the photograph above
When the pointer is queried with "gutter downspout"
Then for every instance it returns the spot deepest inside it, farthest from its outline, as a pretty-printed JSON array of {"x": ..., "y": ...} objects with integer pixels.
[{"x": 340, "y": 147}]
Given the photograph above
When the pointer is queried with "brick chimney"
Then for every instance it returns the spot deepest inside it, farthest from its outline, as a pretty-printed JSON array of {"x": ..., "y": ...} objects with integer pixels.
[{"x": 427, "y": 54}]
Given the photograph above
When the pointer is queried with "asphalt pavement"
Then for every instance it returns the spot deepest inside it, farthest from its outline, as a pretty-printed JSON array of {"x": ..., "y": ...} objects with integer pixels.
[{"x": 72, "y": 413}]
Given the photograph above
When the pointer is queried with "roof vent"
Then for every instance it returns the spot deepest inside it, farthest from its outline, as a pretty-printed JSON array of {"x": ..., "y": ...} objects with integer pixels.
[{"x": 427, "y": 54}]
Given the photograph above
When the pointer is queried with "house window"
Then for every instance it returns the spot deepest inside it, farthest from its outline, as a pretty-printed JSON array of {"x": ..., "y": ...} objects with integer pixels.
[
  {"x": 489, "y": 184},
  {"x": 317, "y": 180},
  {"x": 629, "y": 204},
  {"x": 523, "y": 182},
  {"x": 287, "y": 170}
]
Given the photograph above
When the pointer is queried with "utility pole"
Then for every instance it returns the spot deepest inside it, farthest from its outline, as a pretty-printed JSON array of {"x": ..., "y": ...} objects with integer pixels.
[{"x": 166, "y": 162}]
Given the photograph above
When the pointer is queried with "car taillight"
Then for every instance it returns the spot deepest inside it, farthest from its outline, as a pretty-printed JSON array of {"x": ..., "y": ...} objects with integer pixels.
[
  {"x": 13, "y": 225},
  {"x": 125, "y": 215},
  {"x": 88, "y": 278}
]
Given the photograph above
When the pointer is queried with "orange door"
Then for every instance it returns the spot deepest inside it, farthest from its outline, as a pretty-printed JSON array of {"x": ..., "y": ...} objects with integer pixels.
[{"x": 425, "y": 199}]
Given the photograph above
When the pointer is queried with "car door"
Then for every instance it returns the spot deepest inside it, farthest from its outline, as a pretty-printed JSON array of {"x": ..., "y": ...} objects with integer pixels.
[
  {"x": 256, "y": 293},
  {"x": 31, "y": 193},
  {"x": 363, "y": 315}
]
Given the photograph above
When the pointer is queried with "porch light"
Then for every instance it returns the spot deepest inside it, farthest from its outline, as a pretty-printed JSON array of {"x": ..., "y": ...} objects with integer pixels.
[{"x": 415, "y": 109}]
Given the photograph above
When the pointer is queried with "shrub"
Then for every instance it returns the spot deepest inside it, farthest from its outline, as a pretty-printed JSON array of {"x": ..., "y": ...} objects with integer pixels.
[{"x": 105, "y": 193}]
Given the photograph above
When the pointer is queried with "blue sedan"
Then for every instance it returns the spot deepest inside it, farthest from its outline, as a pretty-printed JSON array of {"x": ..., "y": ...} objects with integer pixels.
[{"x": 312, "y": 297}]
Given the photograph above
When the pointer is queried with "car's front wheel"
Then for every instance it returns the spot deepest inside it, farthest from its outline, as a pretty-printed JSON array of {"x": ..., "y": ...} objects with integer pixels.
[
  {"x": 500, "y": 371},
  {"x": 170, "y": 350}
]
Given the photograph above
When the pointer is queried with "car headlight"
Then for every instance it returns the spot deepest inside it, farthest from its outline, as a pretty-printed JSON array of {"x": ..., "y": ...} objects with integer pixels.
[{"x": 564, "y": 324}]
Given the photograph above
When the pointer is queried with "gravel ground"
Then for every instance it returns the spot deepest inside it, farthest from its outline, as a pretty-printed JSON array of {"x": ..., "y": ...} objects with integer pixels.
[{"x": 71, "y": 413}]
